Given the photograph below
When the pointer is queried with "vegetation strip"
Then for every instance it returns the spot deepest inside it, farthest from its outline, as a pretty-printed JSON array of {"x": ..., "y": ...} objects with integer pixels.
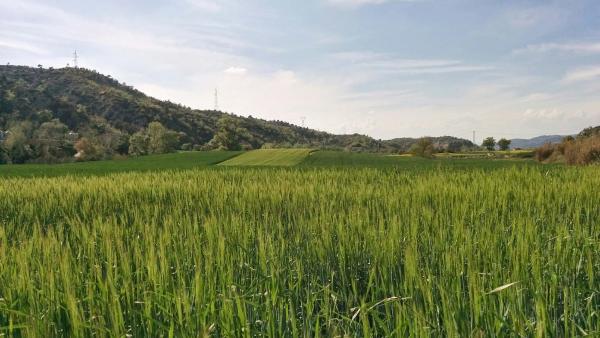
[{"x": 269, "y": 157}]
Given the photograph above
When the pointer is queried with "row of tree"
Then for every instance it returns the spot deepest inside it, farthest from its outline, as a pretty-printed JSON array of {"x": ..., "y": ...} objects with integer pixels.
[
  {"x": 52, "y": 141},
  {"x": 490, "y": 144},
  {"x": 424, "y": 147}
]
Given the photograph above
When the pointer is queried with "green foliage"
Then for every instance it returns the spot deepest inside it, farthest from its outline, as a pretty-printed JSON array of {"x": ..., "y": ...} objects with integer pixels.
[
  {"x": 489, "y": 144},
  {"x": 229, "y": 135},
  {"x": 108, "y": 139},
  {"x": 443, "y": 143},
  {"x": 156, "y": 139},
  {"x": 51, "y": 142},
  {"x": 423, "y": 148},
  {"x": 4, "y": 158},
  {"x": 329, "y": 252},
  {"x": 589, "y": 132},
  {"x": 138, "y": 144},
  {"x": 17, "y": 143},
  {"x": 504, "y": 144},
  {"x": 160, "y": 139},
  {"x": 88, "y": 150}
]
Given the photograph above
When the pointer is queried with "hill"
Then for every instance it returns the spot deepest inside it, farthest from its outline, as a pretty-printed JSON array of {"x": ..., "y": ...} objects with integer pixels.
[
  {"x": 535, "y": 142},
  {"x": 49, "y": 110}
]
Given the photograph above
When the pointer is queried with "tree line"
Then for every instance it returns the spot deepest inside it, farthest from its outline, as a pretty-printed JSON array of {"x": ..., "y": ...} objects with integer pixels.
[{"x": 53, "y": 142}]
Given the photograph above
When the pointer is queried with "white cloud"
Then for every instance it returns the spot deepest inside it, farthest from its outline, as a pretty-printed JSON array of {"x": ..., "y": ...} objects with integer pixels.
[
  {"x": 386, "y": 64},
  {"x": 535, "y": 97},
  {"x": 582, "y": 74},
  {"x": 358, "y": 3},
  {"x": 205, "y": 5},
  {"x": 236, "y": 71},
  {"x": 20, "y": 45},
  {"x": 545, "y": 113},
  {"x": 582, "y": 47},
  {"x": 536, "y": 17}
]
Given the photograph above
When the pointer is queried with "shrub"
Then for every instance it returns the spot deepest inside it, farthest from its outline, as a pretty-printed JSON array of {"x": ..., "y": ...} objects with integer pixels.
[
  {"x": 544, "y": 152},
  {"x": 423, "y": 148},
  {"x": 580, "y": 151},
  {"x": 88, "y": 150},
  {"x": 583, "y": 151}
]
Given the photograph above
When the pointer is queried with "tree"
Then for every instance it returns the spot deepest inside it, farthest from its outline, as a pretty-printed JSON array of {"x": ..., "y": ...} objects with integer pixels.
[
  {"x": 88, "y": 150},
  {"x": 16, "y": 144},
  {"x": 504, "y": 144},
  {"x": 455, "y": 146},
  {"x": 138, "y": 144},
  {"x": 4, "y": 159},
  {"x": 568, "y": 139},
  {"x": 51, "y": 142},
  {"x": 160, "y": 139},
  {"x": 422, "y": 148},
  {"x": 489, "y": 143},
  {"x": 229, "y": 134},
  {"x": 111, "y": 140}
]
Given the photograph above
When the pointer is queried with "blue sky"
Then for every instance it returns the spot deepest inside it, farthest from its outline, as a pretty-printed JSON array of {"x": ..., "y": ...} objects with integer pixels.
[{"x": 384, "y": 68}]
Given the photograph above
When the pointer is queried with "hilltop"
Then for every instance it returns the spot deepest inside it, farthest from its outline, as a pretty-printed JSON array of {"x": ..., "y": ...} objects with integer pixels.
[
  {"x": 88, "y": 103},
  {"x": 535, "y": 142}
]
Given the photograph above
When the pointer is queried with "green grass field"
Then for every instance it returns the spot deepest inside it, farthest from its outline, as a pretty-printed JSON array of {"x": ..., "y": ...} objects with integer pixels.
[
  {"x": 329, "y": 159},
  {"x": 340, "y": 245},
  {"x": 269, "y": 158},
  {"x": 178, "y": 161},
  {"x": 272, "y": 157}
]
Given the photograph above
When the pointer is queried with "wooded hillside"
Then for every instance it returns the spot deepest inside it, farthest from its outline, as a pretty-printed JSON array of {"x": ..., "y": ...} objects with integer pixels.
[{"x": 45, "y": 112}]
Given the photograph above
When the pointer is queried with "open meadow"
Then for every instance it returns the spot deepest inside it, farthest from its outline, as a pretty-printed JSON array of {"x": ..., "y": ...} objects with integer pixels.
[{"x": 303, "y": 251}]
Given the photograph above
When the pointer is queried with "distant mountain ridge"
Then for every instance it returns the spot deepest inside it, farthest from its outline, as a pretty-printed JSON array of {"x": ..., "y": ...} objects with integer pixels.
[
  {"x": 84, "y": 100},
  {"x": 535, "y": 142}
]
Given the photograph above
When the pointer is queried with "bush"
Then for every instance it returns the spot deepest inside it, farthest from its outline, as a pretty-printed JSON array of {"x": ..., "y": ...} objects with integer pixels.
[
  {"x": 4, "y": 159},
  {"x": 544, "y": 152},
  {"x": 423, "y": 148},
  {"x": 583, "y": 151},
  {"x": 89, "y": 150}
]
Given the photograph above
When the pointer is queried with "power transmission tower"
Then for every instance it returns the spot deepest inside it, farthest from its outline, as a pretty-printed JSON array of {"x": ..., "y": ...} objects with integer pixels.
[
  {"x": 303, "y": 121},
  {"x": 474, "y": 142},
  {"x": 216, "y": 100},
  {"x": 75, "y": 59}
]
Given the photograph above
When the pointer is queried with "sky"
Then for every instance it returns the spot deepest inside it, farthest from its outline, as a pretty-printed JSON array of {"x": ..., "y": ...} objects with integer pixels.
[{"x": 386, "y": 68}]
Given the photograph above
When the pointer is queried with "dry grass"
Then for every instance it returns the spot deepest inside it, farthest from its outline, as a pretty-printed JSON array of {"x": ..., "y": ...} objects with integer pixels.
[{"x": 582, "y": 151}]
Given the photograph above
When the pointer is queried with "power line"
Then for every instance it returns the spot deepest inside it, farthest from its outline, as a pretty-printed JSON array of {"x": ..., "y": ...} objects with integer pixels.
[
  {"x": 216, "y": 99},
  {"x": 75, "y": 59}
]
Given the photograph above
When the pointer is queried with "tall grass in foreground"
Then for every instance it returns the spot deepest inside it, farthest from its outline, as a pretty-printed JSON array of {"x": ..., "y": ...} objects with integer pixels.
[{"x": 312, "y": 252}]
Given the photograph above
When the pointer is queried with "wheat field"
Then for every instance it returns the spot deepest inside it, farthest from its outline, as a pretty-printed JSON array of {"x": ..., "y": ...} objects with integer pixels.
[{"x": 302, "y": 252}]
